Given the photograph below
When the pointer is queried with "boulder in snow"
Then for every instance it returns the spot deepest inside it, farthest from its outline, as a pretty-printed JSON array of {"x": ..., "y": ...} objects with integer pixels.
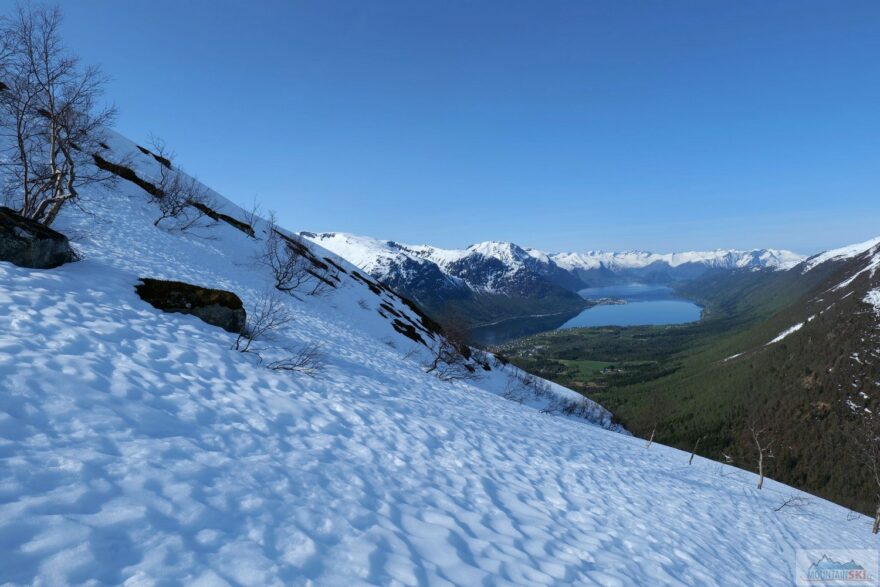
[
  {"x": 27, "y": 243},
  {"x": 214, "y": 306}
]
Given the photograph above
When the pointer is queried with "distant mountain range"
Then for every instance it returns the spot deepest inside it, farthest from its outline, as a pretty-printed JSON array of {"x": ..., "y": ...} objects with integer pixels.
[{"x": 494, "y": 280}]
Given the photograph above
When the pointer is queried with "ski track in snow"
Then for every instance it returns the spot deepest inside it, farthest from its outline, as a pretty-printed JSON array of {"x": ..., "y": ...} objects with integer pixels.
[{"x": 137, "y": 448}]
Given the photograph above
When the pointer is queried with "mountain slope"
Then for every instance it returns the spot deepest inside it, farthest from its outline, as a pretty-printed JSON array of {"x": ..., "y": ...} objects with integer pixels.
[{"x": 138, "y": 448}]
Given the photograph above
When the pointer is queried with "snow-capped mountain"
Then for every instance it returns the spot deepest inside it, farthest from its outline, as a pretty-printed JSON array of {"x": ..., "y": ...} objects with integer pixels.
[
  {"x": 718, "y": 259},
  {"x": 140, "y": 448},
  {"x": 380, "y": 258},
  {"x": 483, "y": 283},
  {"x": 540, "y": 282}
]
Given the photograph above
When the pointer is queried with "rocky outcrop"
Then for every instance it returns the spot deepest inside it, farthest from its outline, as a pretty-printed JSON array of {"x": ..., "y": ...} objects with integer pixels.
[
  {"x": 213, "y": 306},
  {"x": 27, "y": 243}
]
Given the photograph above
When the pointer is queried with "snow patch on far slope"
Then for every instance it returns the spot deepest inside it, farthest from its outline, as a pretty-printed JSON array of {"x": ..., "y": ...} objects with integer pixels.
[
  {"x": 786, "y": 332},
  {"x": 873, "y": 298},
  {"x": 841, "y": 254},
  {"x": 791, "y": 330},
  {"x": 870, "y": 268}
]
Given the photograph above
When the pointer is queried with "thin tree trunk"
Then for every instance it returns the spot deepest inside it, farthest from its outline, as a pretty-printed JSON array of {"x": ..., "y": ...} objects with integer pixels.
[
  {"x": 651, "y": 440},
  {"x": 693, "y": 452},
  {"x": 760, "y": 470},
  {"x": 876, "y": 527}
]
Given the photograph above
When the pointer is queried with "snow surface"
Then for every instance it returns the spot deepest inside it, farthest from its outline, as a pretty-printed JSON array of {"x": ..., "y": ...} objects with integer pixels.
[{"x": 137, "y": 448}]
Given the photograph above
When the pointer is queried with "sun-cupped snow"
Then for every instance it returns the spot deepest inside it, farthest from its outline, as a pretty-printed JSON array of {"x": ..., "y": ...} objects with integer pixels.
[{"x": 138, "y": 448}]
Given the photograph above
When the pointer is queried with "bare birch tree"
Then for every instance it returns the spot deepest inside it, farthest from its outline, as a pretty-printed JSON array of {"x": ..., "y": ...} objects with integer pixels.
[
  {"x": 693, "y": 452},
  {"x": 764, "y": 449},
  {"x": 50, "y": 117}
]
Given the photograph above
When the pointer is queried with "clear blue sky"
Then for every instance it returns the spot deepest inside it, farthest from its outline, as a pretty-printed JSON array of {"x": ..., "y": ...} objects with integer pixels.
[{"x": 662, "y": 125}]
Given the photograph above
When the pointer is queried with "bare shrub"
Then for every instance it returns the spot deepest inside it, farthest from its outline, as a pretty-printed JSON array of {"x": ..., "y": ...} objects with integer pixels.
[
  {"x": 320, "y": 283},
  {"x": 449, "y": 363},
  {"x": 252, "y": 213},
  {"x": 290, "y": 269},
  {"x": 268, "y": 316},
  {"x": 266, "y": 320},
  {"x": 181, "y": 199},
  {"x": 522, "y": 386},
  {"x": 306, "y": 359},
  {"x": 451, "y": 355},
  {"x": 794, "y": 502}
]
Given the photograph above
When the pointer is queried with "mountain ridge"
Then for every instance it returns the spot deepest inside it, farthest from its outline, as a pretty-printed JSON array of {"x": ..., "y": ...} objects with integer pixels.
[{"x": 496, "y": 281}]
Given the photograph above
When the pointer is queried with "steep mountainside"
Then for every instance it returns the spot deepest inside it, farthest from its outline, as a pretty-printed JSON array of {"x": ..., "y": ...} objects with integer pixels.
[{"x": 494, "y": 281}]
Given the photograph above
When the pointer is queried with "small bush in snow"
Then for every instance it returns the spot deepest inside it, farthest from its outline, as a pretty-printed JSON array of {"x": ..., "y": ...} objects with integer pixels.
[
  {"x": 306, "y": 359},
  {"x": 182, "y": 200},
  {"x": 294, "y": 268},
  {"x": 264, "y": 321}
]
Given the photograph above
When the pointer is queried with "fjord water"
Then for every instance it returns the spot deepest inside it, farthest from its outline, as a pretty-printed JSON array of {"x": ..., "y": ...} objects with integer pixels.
[{"x": 645, "y": 305}]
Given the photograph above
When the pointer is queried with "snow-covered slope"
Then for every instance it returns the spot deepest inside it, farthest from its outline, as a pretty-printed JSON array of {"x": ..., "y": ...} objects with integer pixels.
[
  {"x": 138, "y": 448},
  {"x": 841, "y": 254}
]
